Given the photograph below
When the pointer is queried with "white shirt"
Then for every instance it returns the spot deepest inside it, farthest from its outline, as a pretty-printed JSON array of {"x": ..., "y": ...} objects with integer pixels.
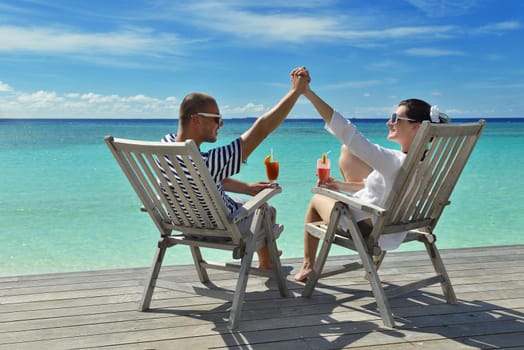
[{"x": 385, "y": 163}]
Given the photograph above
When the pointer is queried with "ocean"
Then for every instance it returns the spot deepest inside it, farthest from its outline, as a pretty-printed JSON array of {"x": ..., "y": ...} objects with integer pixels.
[{"x": 66, "y": 206}]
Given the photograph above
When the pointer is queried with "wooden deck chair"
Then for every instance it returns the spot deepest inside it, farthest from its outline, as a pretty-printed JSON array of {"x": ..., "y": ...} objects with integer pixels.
[
  {"x": 187, "y": 210},
  {"x": 421, "y": 191}
]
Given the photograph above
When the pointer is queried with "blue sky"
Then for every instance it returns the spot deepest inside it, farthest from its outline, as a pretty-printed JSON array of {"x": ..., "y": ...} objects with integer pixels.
[{"x": 138, "y": 59}]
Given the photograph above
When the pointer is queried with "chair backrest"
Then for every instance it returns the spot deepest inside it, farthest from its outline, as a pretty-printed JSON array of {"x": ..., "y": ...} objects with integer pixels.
[
  {"x": 427, "y": 177},
  {"x": 175, "y": 187}
]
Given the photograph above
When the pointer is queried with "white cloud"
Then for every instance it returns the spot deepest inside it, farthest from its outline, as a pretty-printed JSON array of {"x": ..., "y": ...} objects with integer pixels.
[
  {"x": 49, "y": 104},
  {"x": 294, "y": 27},
  {"x": 513, "y": 86},
  {"x": 4, "y": 87},
  {"x": 444, "y": 8},
  {"x": 356, "y": 84},
  {"x": 141, "y": 99},
  {"x": 382, "y": 65},
  {"x": 246, "y": 20},
  {"x": 269, "y": 23},
  {"x": 94, "y": 98},
  {"x": 248, "y": 110},
  {"x": 285, "y": 28},
  {"x": 240, "y": 20},
  {"x": 60, "y": 40},
  {"x": 431, "y": 52},
  {"x": 426, "y": 32},
  {"x": 500, "y": 27},
  {"x": 39, "y": 98}
]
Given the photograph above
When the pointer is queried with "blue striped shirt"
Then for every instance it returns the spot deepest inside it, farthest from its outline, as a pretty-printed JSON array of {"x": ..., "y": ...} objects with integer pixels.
[{"x": 222, "y": 162}]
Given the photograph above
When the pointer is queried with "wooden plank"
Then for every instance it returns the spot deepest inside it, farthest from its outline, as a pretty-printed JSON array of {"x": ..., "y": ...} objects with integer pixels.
[{"x": 97, "y": 309}]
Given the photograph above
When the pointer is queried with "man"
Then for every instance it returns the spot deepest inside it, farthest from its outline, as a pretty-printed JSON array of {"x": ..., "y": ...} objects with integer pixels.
[{"x": 200, "y": 120}]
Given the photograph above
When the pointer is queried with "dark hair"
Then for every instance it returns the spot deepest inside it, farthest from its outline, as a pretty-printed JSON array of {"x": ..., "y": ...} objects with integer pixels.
[
  {"x": 421, "y": 110},
  {"x": 194, "y": 102}
]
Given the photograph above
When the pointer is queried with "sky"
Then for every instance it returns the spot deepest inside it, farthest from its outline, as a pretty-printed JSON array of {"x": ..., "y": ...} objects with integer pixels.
[{"x": 139, "y": 58}]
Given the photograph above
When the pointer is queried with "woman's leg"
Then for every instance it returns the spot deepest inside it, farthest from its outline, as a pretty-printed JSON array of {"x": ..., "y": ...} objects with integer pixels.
[
  {"x": 319, "y": 209},
  {"x": 352, "y": 168}
]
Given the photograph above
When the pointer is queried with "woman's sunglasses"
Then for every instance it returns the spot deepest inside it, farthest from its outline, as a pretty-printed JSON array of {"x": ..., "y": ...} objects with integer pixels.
[{"x": 394, "y": 119}]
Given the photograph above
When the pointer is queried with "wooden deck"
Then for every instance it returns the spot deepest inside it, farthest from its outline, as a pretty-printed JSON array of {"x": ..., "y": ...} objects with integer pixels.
[{"x": 97, "y": 309}]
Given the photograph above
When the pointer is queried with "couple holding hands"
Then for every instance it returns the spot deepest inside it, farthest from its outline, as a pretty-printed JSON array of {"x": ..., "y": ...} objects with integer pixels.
[{"x": 368, "y": 170}]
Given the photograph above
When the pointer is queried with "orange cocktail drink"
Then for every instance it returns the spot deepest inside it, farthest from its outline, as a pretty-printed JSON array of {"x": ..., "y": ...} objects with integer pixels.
[{"x": 272, "y": 168}]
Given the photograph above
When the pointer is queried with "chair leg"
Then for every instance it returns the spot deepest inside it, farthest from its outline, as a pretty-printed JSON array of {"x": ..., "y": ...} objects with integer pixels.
[
  {"x": 376, "y": 286},
  {"x": 273, "y": 254},
  {"x": 368, "y": 263},
  {"x": 243, "y": 275},
  {"x": 240, "y": 291},
  {"x": 440, "y": 269},
  {"x": 197, "y": 259},
  {"x": 152, "y": 276},
  {"x": 370, "y": 267},
  {"x": 371, "y": 274},
  {"x": 377, "y": 261}
]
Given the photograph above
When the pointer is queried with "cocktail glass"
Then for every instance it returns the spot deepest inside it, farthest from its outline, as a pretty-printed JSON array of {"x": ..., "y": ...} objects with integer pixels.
[
  {"x": 323, "y": 169},
  {"x": 272, "y": 168}
]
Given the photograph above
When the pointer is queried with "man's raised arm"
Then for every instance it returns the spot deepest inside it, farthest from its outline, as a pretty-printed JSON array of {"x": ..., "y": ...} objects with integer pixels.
[{"x": 270, "y": 120}]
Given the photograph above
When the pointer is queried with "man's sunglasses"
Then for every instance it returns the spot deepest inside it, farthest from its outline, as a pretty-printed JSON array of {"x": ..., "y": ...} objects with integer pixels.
[
  {"x": 218, "y": 117},
  {"x": 394, "y": 119}
]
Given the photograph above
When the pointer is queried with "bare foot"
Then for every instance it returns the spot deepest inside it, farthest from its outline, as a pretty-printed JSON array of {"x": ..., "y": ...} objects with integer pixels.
[{"x": 304, "y": 273}]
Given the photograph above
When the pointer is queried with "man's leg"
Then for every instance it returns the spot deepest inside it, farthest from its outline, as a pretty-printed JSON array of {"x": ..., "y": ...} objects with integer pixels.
[{"x": 264, "y": 261}]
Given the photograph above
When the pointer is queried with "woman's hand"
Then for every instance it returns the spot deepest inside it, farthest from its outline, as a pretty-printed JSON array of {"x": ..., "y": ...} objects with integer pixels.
[
  {"x": 330, "y": 183},
  {"x": 340, "y": 186},
  {"x": 300, "y": 79}
]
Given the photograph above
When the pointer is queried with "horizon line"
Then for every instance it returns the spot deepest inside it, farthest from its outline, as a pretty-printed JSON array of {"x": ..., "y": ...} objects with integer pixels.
[{"x": 234, "y": 118}]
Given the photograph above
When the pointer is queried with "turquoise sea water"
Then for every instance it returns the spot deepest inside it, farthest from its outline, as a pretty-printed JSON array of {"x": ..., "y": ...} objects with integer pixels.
[{"x": 65, "y": 206}]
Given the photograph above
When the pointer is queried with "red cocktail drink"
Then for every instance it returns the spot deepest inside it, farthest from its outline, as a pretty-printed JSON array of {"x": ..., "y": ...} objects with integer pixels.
[{"x": 323, "y": 169}]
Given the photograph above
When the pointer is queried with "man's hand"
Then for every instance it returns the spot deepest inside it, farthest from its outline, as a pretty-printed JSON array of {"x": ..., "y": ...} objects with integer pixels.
[
  {"x": 300, "y": 79},
  {"x": 256, "y": 187},
  {"x": 237, "y": 186}
]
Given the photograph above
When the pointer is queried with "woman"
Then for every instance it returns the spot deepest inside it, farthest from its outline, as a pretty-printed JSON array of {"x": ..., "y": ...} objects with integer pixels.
[{"x": 369, "y": 170}]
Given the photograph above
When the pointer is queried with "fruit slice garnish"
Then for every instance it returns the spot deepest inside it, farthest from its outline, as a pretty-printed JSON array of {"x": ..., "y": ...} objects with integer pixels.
[
  {"x": 267, "y": 160},
  {"x": 324, "y": 157}
]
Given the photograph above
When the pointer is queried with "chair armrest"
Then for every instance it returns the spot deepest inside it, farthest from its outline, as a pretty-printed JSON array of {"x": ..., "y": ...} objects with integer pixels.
[
  {"x": 350, "y": 200},
  {"x": 254, "y": 203}
]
